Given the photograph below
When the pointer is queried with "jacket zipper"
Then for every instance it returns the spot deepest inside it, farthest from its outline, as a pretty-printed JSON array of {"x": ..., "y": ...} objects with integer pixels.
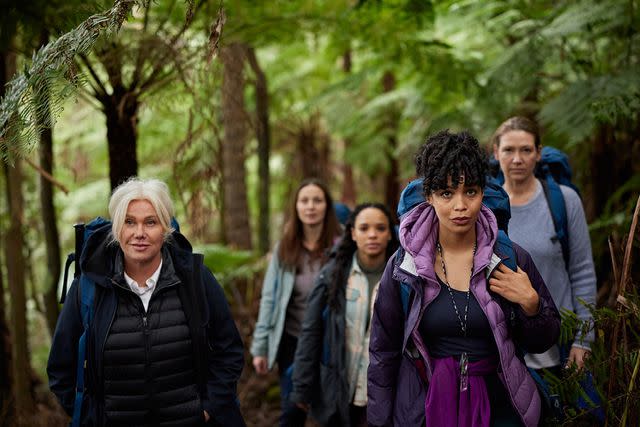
[{"x": 500, "y": 353}]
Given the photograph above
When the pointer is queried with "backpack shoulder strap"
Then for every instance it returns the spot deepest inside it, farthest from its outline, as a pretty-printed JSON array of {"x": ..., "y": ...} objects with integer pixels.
[
  {"x": 503, "y": 253},
  {"x": 558, "y": 209},
  {"x": 405, "y": 289},
  {"x": 86, "y": 289},
  {"x": 194, "y": 296}
]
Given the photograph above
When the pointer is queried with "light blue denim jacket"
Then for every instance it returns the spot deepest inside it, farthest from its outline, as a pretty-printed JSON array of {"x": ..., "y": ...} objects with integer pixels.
[{"x": 277, "y": 288}]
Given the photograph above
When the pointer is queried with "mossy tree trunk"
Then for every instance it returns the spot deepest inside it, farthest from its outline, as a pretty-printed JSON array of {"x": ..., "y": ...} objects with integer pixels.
[{"x": 234, "y": 121}]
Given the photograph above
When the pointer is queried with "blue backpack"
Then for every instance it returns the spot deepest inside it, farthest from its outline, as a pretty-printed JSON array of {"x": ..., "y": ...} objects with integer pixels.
[
  {"x": 87, "y": 290},
  {"x": 552, "y": 170}
]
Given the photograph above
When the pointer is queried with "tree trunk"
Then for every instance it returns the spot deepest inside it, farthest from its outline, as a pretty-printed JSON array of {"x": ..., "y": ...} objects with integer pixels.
[
  {"x": 7, "y": 69},
  {"x": 348, "y": 196},
  {"x": 312, "y": 150},
  {"x": 263, "y": 134},
  {"x": 49, "y": 212},
  {"x": 15, "y": 274},
  {"x": 121, "y": 111},
  {"x": 392, "y": 182},
  {"x": 236, "y": 209}
]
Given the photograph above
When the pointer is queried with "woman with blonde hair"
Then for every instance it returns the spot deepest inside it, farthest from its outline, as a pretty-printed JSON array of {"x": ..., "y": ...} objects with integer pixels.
[{"x": 162, "y": 347}]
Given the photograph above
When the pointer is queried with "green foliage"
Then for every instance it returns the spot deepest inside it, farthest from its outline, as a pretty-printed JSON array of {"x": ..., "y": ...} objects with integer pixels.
[
  {"x": 52, "y": 67},
  {"x": 228, "y": 264}
]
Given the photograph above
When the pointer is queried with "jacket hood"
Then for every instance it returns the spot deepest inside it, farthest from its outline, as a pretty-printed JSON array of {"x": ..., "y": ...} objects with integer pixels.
[
  {"x": 99, "y": 254},
  {"x": 419, "y": 231}
]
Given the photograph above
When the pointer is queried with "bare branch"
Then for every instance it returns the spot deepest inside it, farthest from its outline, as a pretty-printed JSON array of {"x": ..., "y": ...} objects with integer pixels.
[
  {"x": 47, "y": 175},
  {"x": 160, "y": 63},
  {"x": 101, "y": 90},
  {"x": 215, "y": 33},
  {"x": 141, "y": 54}
]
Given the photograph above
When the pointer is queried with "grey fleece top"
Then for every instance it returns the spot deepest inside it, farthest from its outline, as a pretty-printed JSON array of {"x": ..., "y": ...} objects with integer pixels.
[{"x": 531, "y": 226}]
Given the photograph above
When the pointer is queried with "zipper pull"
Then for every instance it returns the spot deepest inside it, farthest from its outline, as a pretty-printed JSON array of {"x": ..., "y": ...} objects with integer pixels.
[{"x": 144, "y": 321}]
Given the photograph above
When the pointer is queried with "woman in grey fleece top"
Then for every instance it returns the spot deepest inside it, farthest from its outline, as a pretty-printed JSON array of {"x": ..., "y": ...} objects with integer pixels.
[{"x": 516, "y": 146}]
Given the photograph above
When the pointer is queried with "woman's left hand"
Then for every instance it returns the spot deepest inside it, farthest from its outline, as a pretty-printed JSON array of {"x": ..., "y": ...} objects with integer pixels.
[
  {"x": 516, "y": 287},
  {"x": 206, "y": 416},
  {"x": 577, "y": 356}
]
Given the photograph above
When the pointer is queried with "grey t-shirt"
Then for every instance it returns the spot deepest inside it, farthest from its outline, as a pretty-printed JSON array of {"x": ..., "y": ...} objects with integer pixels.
[
  {"x": 305, "y": 279},
  {"x": 531, "y": 226},
  {"x": 373, "y": 277}
]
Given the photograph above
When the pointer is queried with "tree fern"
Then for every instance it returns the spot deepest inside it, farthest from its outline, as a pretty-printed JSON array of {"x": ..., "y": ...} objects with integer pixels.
[{"x": 51, "y": 67}]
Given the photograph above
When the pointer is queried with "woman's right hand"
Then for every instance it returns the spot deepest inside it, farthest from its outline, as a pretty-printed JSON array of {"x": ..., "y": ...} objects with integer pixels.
[{"x": 260, "y": 365}]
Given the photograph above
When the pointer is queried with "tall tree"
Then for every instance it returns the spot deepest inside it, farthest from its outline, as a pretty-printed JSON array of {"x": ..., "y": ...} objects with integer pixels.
[
  {"x": 234, "y": 121},
  {"x": 348, "y": 193},
  {"x": 392, "y": 182},
  {"x": 7, "y": 67},
  {"x": 14, "y": 243},
  {"x": 47, "y": 207},
  {"x": 263, "y": 134}
]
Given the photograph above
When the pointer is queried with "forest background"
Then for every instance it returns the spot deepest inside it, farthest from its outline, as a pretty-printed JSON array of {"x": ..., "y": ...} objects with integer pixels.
[{"x": 233, "y": 103}]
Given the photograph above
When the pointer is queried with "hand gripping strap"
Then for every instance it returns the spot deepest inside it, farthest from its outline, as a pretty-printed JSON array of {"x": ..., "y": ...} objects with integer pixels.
[{"x": 87, "y": 292}]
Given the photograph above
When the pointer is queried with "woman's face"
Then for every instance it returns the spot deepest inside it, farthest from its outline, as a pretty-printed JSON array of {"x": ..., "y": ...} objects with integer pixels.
[
  {"x": 457, "y": 208},
  {"x": 517, "y": 154},
  {"x": 142, "y": 235},
  {"x": 311, "y": 205},
  {"x": 371, "y": 232}
]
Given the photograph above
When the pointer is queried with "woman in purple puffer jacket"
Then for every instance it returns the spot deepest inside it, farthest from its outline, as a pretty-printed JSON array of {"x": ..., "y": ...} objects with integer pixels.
[{"x": 452, "y": 356}]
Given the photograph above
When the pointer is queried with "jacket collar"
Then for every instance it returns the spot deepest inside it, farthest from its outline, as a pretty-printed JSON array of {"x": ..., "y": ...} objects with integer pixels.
[
  {"x": 419, "y": 231},
  {"x": 102, "y": 260}
]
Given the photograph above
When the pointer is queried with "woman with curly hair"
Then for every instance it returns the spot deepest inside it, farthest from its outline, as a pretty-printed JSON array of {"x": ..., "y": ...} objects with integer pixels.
[
  {"x": 452, "y": 355},
  {"x": 330, "y": 375},
  {"x": 309, "y": 233}
]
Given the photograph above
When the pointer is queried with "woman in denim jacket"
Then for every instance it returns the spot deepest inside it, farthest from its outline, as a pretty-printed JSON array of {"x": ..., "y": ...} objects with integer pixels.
[{"x": 309, "y": 233}]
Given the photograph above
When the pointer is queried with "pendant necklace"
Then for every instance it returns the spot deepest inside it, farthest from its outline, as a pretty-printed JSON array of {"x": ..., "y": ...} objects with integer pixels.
[
  {"x": 464, "y": 357},
  {"x": 463, "y": 324}
]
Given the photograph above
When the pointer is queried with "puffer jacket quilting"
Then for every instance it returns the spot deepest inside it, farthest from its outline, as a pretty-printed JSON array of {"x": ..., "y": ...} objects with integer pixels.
[{"x": 388, "y": 399}]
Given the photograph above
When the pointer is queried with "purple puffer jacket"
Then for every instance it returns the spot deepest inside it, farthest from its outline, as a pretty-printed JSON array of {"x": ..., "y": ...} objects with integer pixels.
[{"x": 395, "y": 389}]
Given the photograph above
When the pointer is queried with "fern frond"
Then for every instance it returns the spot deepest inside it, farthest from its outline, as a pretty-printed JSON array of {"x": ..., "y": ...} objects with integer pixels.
[
  {"x": 51, "y": 66},
  {"x": 599, "y": 17}
]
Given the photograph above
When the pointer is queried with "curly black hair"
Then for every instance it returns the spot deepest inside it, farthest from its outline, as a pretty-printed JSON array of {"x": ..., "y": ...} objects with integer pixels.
[
  {"x": 447, "y": 154},
  {"x": 347, "y": 247}
]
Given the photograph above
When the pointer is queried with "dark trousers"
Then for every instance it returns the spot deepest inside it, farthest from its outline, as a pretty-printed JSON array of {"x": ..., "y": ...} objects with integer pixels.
[
  {"x": 502, "y": 413},
  {"x": 292, "y": 416},
  {"x": 357, "y": 417}
]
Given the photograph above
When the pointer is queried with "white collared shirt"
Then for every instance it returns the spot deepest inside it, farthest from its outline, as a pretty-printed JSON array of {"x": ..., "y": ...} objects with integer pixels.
[{"x": 144, "y": 292}]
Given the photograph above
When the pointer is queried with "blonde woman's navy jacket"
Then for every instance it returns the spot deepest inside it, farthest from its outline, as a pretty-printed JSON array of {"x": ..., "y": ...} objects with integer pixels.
[{"x": 217, "y": 346}]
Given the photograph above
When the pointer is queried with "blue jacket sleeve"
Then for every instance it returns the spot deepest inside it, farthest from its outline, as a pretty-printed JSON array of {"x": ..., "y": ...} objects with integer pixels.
[
  {"x": 539, "y": 332},
  {"x": 260, "y": 342},
  {"x": 62, "y": 364},
  {"x": 225, "y": 359}
]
